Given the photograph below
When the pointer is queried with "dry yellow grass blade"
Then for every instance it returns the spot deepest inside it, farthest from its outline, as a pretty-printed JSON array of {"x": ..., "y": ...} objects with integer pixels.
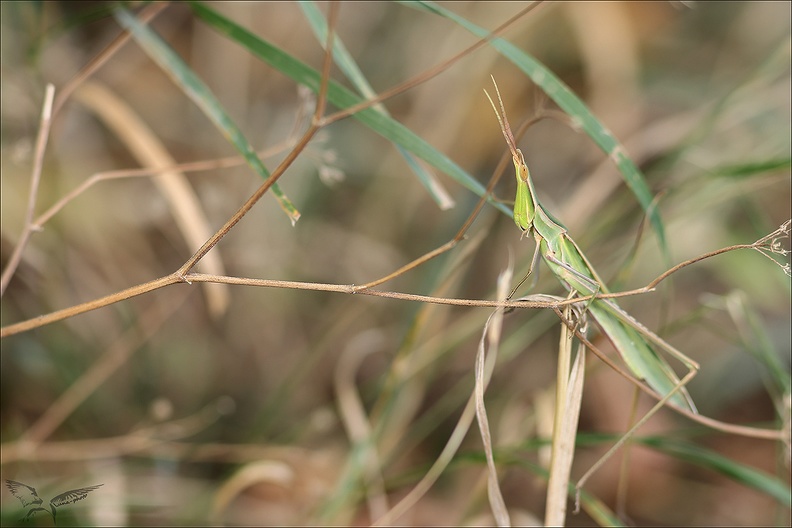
[
  {"x": 492, "y": 333},
  {"x": 149, "y": 151},
  {"x": 569, "y": 395}
]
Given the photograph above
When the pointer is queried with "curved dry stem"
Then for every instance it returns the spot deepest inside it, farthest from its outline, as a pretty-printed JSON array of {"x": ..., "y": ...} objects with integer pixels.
[
  {"x": 472, "y": 409},
  {"x": 484, "y": 367}
]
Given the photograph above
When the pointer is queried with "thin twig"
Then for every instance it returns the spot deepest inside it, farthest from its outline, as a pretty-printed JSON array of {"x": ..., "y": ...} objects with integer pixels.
[
  {"x": 430, "y": 73},
  {"x": 460, "y": 235},
  {"x": 145, "y": 16},
  {"x": 35, "y": 179},
  {"x": 771, "y": 241},
  {"x": 285, "y": 164},
  {"x": 188, "y": 167},
  {"x": 101, "y": 302}
]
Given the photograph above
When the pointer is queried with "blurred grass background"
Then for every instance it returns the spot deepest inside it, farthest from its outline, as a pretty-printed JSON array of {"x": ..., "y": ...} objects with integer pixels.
[{"x": 238, "y": 418}]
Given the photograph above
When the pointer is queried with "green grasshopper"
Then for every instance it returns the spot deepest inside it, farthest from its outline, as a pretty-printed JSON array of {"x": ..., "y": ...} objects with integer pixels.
[{"x": 635, "y": 343}]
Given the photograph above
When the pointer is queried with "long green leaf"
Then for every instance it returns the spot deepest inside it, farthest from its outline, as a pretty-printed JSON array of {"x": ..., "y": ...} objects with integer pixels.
[
  {"x": 342, "y": 98},
  {"x": 705, "y": 458},
  {"x": 743, "y": 474},
  {"x": 746, "y": 170},
  {"x": 201, "y": 95}
]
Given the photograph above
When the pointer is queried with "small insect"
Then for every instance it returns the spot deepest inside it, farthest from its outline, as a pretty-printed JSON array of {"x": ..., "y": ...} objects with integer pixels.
[{"x": 636, "y": 344}]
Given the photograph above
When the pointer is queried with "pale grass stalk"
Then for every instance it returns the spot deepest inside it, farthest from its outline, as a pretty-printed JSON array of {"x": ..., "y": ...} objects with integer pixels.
[
  {"x": 492, "y": 333},
  {"x": 569, "y": 396}
]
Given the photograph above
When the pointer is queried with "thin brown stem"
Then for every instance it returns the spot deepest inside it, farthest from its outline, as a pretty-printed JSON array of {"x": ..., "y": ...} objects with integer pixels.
[
  {"x": 189, "y": 278},
  {"x": 145, "y": 16},
  {"x": 192, "y": 166},
  {"x": 348, "y": 288},
  {"x": 285, "y": 164},
  {"x": 496, "y": 175},
  {"x": 101, "y": 302},
  {"x": 428, "y": 74},
  {"x": 652, "y": 285},
  {"x": 248, "y": 205},
  {"x": 35, "y": 179}
]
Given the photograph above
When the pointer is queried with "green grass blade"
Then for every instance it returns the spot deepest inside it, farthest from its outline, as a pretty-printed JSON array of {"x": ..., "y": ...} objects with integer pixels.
[
  {"x": 683, "y": 450},
  {"x": 342, "y": 98},
  {"x": 199, "y": 93},
  {"x": 572, "y": 106},
  {"x": 747, "y": 476},
  {"x": 746, "y": 170},
  {"x": 347, "y": 64}
]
